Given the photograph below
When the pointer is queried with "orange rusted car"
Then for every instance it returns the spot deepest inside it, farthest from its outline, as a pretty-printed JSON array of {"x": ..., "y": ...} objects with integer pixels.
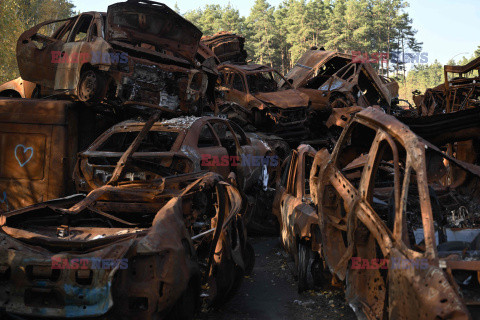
[
  {"x": 130, "y": 56},
  {"x": 249, "y": 94}
]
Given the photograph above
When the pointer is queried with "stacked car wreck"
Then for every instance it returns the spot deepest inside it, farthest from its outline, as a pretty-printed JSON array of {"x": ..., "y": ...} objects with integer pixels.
[
  {"x": 172, "y": 233},
  {"x": 127, "y": 56},
  {"x": 153, "y": 230}
]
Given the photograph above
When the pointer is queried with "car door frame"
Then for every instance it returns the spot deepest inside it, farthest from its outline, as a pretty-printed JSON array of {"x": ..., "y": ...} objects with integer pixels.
[
  {"x": 214, "y": 151},
  {"x": 68, "y": 73},
  {"x": 40, "y": 65},
  {"x": 235, "y": 95}
]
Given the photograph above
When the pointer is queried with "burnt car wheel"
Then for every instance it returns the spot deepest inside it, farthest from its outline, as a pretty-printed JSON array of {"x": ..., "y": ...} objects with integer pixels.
[
  {"x": 91, "y": 86},
  {"x": 340, "y": 102},
  {"x": 305, "y": 278}
]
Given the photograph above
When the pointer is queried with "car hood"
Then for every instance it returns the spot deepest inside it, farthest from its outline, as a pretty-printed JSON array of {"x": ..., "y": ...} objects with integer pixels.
[
  {"x": 284, "y": 99},
  {"x": 155, "y": 24}
]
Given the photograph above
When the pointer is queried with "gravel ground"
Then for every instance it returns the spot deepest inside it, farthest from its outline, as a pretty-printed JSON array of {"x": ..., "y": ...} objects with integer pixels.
[{"x": 271, "y": 292}]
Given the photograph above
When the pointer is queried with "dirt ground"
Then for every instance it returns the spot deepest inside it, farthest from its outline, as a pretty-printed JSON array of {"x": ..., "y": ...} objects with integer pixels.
[{"x": 271, "y": 292}]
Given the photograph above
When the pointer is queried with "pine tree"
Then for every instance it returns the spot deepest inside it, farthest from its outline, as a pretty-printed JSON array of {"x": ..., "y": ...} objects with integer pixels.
[{"x": 262, "y": 31}]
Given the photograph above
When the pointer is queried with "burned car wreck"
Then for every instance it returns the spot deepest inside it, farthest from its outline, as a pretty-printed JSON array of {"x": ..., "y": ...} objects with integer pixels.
[
  {"x": 227, "y": 46},
  {"x": 139, "y": 53},
  {"x": 249, "y": 94},
  {"x": 185, "y": 145},
  {"x": 332, "y": 80},
  {"x": 175, "y": 146},
  {"x": 127, "y": 250},
  {"x": 296, "y": 214},
  {"x": 18, "y": 88},
  {"x": 397, "y": 218},
  {"x": 458, "y": 92}
]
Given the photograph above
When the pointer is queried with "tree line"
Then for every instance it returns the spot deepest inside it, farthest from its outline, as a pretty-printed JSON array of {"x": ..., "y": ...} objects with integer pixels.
[
  {"x": 278, "y": 36},
  {"x": 16, "y": 16}
]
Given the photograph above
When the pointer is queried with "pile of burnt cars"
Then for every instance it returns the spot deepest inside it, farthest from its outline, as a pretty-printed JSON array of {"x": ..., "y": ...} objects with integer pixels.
[
  {"x": 159, "y": 222},
  {"x": 387, "y": 208},
  {"x": 143, "y": 244}
]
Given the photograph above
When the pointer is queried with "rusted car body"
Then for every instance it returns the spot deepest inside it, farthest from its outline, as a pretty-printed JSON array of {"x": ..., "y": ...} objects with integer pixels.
[
  {"x": 296, "y": 212},
  {"x": 139, "y": 53},
  {"x": 157, "y": 243},
  {"x": 39, "y": 140},
  {"x": 398, "y": 218},
  {"x": 249, "y": 94},
  {"x": 186, "y": 145},
  {"x": 18, "y": 88},
  {"x": 175, "y": 146},
  {"x": 332, "y": 80},
  {"x": 227, "y": 46},
  {"x": 458, "y": 92}
]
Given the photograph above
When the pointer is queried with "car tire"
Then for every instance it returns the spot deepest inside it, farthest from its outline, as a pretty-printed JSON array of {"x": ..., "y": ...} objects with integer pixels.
[
  {"x": 91, "y": 87},
  {"x": 321, "y": 276},
  {"x": 305, "y": 278}
]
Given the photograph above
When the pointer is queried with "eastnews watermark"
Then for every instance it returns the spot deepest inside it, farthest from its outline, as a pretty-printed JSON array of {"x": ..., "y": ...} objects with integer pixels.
[
  {"x": 94, "y": 57},
  {"x": 393, "y": 57},
  {"x": 394, "y": 263},
  {"x": 236, "y": 161},
  {"x": 90, "y": 263}
]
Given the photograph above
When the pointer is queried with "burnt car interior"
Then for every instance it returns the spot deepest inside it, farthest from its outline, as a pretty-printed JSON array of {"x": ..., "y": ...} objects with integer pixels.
[
  {"x": 261, "y": 82},
  {"x": 147, "y": 163},
  {"x": 155, "y": 141},
  {"x": 326, "y": 71},
  {"x": 364, "y": 86},
  {"x": 80, "y": 31},
  {"x": 452, "y": 196}
]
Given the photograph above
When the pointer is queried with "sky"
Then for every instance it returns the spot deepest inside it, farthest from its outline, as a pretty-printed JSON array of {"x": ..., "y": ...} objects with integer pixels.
[{"x": 448, "y": 29}]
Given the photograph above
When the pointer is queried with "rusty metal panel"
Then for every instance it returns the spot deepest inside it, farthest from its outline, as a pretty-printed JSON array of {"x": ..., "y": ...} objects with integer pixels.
[
  {"x": 17, "y": 88},
  {"x": 38, "y": 140},
  {"x": 152, "y": 23},
  {"x": 227, "y": 46}
]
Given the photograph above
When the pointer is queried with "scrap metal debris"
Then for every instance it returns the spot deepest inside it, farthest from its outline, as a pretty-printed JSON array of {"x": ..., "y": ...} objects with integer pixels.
[
  {"x": 227, "y": 46},
  {"x": 174, "y": 235},
  {"x": 458, "y": 92},
  {"x": 155, "y": 217}
]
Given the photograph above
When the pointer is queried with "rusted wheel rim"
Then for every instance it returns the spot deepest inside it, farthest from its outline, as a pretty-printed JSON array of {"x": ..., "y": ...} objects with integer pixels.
[
  {"x": 339, "y": 103},
  {"x": 88, "y": 86}
]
